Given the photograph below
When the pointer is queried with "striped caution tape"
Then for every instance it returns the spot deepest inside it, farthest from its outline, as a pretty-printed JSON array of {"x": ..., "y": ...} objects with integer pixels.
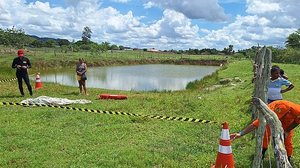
[
  {"x": 170, "y": 118},
  {"x": 7, "y": 80}
]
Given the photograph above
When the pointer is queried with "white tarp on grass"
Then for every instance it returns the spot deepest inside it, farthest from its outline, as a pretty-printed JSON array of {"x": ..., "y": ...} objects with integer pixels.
[{"x": 54, "y": 101}]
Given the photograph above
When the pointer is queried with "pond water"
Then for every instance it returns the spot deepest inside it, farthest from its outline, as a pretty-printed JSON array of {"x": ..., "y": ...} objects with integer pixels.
[{"x": 134, "y": 77}]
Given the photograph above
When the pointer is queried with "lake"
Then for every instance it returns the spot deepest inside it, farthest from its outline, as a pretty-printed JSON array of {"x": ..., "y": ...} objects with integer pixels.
[{"x": 134, "y": 77}]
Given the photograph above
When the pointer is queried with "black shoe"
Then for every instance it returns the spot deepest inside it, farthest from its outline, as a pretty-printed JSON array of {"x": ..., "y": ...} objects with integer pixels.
[
  {"x": 31, "y": 94},
  {"x": 263, "y": 153},
  {"x": 291, "y": 161}
]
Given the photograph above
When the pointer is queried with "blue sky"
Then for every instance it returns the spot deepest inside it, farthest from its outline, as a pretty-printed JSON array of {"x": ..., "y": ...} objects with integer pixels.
[{"x": 167, "y": 24}]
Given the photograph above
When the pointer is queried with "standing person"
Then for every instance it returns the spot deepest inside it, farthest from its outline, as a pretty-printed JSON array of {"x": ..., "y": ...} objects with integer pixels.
[
  {"x": 289, "y": 115},
  {"x": 281, "y": 72},
  {"x": 22, "y": 64},
  {"x": 81, "y": 69},
  {"x": 275, "y": 84}
]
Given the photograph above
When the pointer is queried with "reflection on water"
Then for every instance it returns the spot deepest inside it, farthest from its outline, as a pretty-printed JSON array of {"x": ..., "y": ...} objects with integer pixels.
[{"x": 136, "y": 77}]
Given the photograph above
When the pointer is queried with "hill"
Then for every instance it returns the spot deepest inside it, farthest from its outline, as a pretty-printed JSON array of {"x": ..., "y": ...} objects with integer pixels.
[{"x": 44, "y": 39}]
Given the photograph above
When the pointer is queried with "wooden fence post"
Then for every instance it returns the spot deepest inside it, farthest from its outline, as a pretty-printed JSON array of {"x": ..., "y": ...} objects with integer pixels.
[
  {"x": 262, "y": 68},
  {"x": 277, "y": 136}
]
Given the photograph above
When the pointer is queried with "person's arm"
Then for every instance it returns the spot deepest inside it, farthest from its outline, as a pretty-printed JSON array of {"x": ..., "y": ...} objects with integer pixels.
[
  {"x": 290, "y": 128},
  {"x": 290, "y": 87},
  {"x": 77, "y": 72},
  {"x": 14, "y": 64},
  {"x": 28, "y": 63},
  {"x": 85, "y": 67},
  {"x": 245, "y": 131}
]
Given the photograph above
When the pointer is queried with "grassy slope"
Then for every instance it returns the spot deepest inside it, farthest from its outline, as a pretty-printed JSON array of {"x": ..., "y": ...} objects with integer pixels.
[{"x": 48, "y": 137}]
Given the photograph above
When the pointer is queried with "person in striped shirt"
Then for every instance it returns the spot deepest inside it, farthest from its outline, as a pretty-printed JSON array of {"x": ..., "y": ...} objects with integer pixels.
[{"x": 275, "y": 85}]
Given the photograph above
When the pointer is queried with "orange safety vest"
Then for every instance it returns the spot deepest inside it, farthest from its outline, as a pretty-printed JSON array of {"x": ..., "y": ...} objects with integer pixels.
[{"x": 287, "y": 112}]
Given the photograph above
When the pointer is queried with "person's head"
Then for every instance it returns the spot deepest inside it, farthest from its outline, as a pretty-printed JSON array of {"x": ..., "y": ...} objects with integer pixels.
[
  {"x": 20, "y": 53},
  {"x": 275, "y": 72},
  {"x": 281, "y": 71},
  {"x": 275, "y": 66},
  {"x": 80, "y": 60}
]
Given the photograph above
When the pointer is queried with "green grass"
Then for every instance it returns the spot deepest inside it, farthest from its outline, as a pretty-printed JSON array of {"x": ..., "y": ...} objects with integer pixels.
[{"x": 50, "y": 137}]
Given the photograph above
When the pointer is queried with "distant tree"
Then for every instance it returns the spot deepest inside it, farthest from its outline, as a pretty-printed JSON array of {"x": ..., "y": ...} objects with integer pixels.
[
  {"x": 229, "y": 50},
  {"x": 104, "y": 46},
  {"x": 114, "y": 47},
  {"x": 62, "y": 42},
  {"x": 71, "y": 45},
  {"x": 85, "y": 47},
  {"x": 86, "y": 34},
  {"x": 213, "y": 51},
  {"x": 190, "y": 51},
  {"x": 37, "y": 43},
  {"x": 121, "y": 47},
  {"x": 3, "y": 37},
  {"x": 250, "y": 52},
  {"x": 15, "y": 37},
  {"x": 293, "y": 40},
  {"x": 95, "y": 48},
  {"x": 79, "y": 42},
  {"x": 173, "y": 51},
  {"x": 180, "y": 52},
  {"x": 225, "y": 51},
  {"x": 50, "y": 43}
]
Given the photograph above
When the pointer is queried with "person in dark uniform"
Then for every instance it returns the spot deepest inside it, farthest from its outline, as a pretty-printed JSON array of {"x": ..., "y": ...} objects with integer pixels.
[{"x": 22, "y": 64}]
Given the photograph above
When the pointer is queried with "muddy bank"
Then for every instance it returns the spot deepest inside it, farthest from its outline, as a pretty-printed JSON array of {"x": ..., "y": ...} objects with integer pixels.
[
  {"x": 66, "y": 63},
  {"x": 155, "y": 61}
]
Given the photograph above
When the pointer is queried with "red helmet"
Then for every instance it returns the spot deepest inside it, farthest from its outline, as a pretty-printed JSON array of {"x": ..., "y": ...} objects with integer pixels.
[{"x": 20, "y": 53}]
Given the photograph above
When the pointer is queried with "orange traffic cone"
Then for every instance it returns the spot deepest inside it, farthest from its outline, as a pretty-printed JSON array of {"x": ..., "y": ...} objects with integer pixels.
[
  {"x": 225, "y": 156},
  {"x": 38, "y": 82}
]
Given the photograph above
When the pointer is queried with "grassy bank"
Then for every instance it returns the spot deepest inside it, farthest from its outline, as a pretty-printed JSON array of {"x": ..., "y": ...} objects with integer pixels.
[{"x": 49, "y": 137}]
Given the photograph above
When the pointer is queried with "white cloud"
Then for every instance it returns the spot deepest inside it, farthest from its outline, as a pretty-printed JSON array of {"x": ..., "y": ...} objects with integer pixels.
[
  {"x": 230, "y": 1},
  {"x": 173, "y": 30},
  {"x": 280, "y": 13},
  {"x": 107, "y": 24},
  {"x": 269, "y": 23},
  {"x": 259, "y": 7},
  {"x": 193, "y": 9},
  {"x": 148, "y": 5},
  {"x": 121, "y": 1},
  {"x": 176, "y": 25},
  {"x": 247, "y": 31}
]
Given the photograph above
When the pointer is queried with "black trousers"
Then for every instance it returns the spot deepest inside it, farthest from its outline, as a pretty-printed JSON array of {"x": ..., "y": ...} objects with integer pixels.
[{"x": 20, "y": 83}]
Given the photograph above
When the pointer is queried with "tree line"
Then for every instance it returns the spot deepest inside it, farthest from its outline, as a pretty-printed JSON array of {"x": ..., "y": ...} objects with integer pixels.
[
  {"x": 17, "y": 38},
  {"x": 289, "y": 54}
]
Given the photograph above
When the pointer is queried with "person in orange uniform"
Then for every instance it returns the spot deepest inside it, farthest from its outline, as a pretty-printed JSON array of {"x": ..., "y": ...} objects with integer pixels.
[{"x": 289, "y": 115}]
